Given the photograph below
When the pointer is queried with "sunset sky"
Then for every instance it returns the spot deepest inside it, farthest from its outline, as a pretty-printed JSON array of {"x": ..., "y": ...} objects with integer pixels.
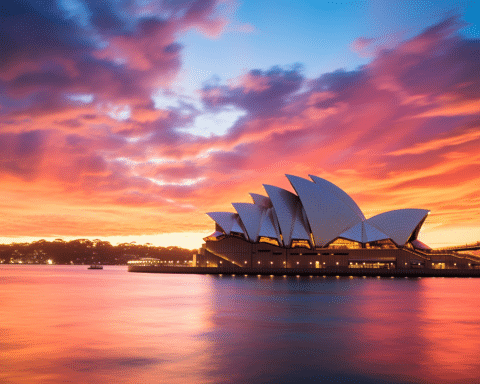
[{"x": 128, "y": 120}]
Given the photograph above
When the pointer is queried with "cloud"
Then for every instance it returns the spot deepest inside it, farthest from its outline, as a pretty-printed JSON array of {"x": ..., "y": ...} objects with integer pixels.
[
  {"x": 107, "y": 48},
  {"x": 361, "y": 45},
  {"x": 92, "y": 123},
  {"x": 21, "y": 154},
  {"x": 440, "y": 143},
  {"x": 259, "y": 92}
]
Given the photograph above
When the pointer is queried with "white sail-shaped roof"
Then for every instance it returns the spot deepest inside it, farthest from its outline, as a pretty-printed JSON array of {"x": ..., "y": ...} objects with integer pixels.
[
  {"x": 321, "y": 210},
  {"x": 268, "y": 224},
  {"x": 251, "y": 215},
  {"x": 288, "y": 208},
  {"x": 237, "y": 226},
  {"x": 399, "y": 224},
  {"x": 354, "y": 233},
  {"x": 363, "y": 232},
  {"x": 372, "y": 233},
  {"x": 261, "y": 200},
  {"x": 226, "y": 220},
  {"x": 327, "y": 214},
  {"x": 340, "y": 193},
  {"x": 268, "y": 227},
  {"x": 299, "y": 230}
]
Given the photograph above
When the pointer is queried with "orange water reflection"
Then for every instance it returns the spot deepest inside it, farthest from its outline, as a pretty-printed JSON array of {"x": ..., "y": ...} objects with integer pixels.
[
  {"x": 450, "y": 327},
  {"x": 68, "y": 324}
]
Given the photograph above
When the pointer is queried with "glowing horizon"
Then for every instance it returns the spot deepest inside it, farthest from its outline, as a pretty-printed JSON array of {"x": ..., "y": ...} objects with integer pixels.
[{"x": 130, "y": 122}]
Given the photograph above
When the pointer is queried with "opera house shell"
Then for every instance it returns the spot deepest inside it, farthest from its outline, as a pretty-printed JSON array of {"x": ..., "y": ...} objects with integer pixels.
[{"x": 317, "y": 227}]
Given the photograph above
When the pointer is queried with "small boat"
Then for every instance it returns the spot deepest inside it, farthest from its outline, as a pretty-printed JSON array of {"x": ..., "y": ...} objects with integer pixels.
[{"x": 95, "y": 266}]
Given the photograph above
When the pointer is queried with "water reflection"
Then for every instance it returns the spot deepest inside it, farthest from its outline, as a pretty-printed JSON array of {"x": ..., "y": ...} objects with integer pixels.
[
  {"x": 68, "y": 324},
  {"x": 450, "y": 327}
]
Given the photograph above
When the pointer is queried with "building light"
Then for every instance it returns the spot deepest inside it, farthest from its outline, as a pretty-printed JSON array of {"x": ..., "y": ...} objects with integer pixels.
[
  {"x": 258, "y": 262},
  {"x": 271, "y": 262},
  {"x": 298, "y": 262},
  {"x": 310, "y": 263},
  {"x": 455, "y": 264},
  {"x": 245, "y": 261},
  {"x": 337, "y": 262}
]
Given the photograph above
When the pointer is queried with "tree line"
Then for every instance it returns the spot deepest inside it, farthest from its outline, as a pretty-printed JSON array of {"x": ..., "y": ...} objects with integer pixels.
[{"x": 84, "y": 251}]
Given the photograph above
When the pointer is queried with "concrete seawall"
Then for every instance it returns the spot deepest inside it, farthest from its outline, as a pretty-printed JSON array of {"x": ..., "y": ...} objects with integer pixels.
[{"x": 309, "y": 271}]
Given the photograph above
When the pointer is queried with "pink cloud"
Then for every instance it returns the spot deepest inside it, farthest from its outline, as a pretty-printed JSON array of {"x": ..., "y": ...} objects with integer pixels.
[
  {"x": 361, "y": 45},
  {"x": 399, "y": 132}
]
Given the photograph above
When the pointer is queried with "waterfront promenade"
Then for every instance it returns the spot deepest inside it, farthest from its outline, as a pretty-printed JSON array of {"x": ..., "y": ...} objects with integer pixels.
[{"x": 339, "y": 271}]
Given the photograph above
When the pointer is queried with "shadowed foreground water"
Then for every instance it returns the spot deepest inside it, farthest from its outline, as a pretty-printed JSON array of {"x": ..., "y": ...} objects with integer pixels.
[{"x": 67, "y": 324}]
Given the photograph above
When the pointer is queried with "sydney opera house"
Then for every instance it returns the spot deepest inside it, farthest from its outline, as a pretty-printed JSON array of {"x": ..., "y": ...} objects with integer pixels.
[{"x": 318, "y": 227}]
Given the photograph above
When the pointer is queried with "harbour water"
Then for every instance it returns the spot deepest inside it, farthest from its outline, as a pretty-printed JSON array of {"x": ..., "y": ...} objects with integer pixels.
[{"x": 68, "y": 324}]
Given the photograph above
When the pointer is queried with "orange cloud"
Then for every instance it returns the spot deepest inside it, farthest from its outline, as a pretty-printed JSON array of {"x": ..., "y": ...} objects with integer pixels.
[{"x": 400, "y": 132}]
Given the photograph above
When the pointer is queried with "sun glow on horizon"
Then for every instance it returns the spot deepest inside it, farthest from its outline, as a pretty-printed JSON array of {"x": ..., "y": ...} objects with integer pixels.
[
  {"x": 184, "y": 109},
  {"x": 187, "y": 240}
]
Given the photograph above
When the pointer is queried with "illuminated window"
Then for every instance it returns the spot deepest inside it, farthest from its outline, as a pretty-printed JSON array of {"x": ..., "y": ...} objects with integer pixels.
[
  {"x": 344, "y": 244},
  {"x": 300, "y": 243},
  {"x": 268, "y": 240}
]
